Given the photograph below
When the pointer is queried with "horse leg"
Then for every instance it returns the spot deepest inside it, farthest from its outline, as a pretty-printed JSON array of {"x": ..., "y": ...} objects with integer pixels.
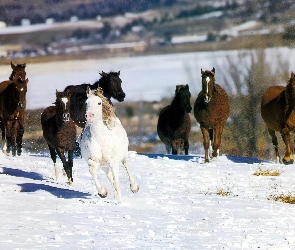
[
  {"x": 9, "y": 137},
  {"x": 186, "y": 146},
  {"x": 70, "y": 165},
  {"x": 133, "y": 185},
  {"x": 174, "y": 147},
  {"x": 102, "y": 192},
  {"x": 211, "y": 134},
  {"x": 19, "y": 138},
  {"x": 61, "y": 154},
  {"x": 115, "y": 171},
  {"x": 205, "y": 142},
  {"x": 217, "y": 140},
  {"x": 168, "y": 148},
  {"x": 274, "y": 141},
  {"x": 288, "y": 158},
  {"x": 4, "y": 147},
  {"x": 53, "y": 158}
]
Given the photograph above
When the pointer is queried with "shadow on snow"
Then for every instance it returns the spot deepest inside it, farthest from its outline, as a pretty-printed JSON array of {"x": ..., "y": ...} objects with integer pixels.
[{"x": 56, "y": 191}]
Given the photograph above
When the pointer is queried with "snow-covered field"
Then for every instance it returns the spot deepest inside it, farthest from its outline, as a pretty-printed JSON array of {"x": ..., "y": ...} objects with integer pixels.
[{"x": 177, "y": 206}]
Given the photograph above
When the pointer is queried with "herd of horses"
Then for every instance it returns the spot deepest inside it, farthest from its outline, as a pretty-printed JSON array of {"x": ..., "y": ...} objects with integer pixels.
[{"x": 104, "y": 141}]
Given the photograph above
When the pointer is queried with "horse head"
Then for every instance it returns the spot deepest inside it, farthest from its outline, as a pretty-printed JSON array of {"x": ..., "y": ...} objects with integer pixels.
[
  {"x": 111, "y": 85},
  {"x": 93, "y": 106},
  {"x": 62, "y": 104},
  {"x": 18, "y": 71},
  {"x": 19, "y": 92},
  {"x": 208, "y": 80},
  {"x": 182, "y": 96}
]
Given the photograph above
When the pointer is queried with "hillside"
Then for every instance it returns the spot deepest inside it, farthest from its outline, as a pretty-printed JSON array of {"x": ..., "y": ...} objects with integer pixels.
[{"x": 83, "y": 29}]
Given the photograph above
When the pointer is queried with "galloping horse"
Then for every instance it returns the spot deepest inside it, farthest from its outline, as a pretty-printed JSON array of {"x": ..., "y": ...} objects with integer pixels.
[
  {"x": 59, "y": 131},
  {"x": 174, "y": 123},
  {"x": 12, "y": 108},
  {"x": 111, "y": 86},
  {"x": 18, "y": 74},
  {"x": 104, "y": 143},
  {"x": 211, "y": 110},
  {"x": 278, "y": 113}
]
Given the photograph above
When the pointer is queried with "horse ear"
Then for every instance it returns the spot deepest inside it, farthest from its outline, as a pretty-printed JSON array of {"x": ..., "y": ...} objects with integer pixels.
[
  {"x": 103, "y": 74},
  {"x": 26, "y": 81},
  {"x": 118, "y": 73},
  {"x": 187, "y": 86},
  {"x": 213, "y": 70},
  {"x": 12, "y": 65},
  {"x": 68, "y": 93},
  {"x": 292, "y": 74},
  {"x": 202, "y": 72},
  {"x": 24, "y": 65}
]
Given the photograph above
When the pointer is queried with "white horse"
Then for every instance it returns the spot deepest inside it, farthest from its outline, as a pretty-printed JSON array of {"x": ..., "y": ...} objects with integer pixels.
[{"x": 104, "y": 143}]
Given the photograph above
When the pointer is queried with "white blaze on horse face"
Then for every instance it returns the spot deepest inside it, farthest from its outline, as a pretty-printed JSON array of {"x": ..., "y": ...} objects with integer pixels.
[
  {"x": 64, "y": 100},
  {"x": 207, "y": 98}
]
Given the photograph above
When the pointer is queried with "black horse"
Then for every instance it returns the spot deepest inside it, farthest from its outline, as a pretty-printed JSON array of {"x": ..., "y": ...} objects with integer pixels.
[
  {"x": 110, "y": 83},
  {"x": 174, "y": 124}
]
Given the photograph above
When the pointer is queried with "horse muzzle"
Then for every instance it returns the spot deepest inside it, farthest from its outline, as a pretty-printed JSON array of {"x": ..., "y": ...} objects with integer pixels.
[
  {"x": 188, "y": 109},
  {"x": 66, "y": 117},
  {"x": 207, "y": 99},
  {"x": 121, "y": 97},
  {"x": 21, "y": 105}
]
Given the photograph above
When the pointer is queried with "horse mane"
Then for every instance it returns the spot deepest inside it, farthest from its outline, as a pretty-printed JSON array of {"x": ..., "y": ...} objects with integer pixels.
[
  {"x": 107, "y": 109},
  {"x": 287, "y": 95}
]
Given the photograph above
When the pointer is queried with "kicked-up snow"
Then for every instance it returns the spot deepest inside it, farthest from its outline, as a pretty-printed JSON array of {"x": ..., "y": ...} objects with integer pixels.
[{"x": 179, "y": 205}]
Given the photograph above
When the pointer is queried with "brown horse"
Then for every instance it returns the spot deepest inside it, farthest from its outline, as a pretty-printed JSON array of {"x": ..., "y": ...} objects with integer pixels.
[
  {"x": 278, "y": 112},
  {"x": 110, "y": 83},
  {"x": 211, "y": 110},
  {"x": 59, "y": 131},
  {"x": 18, "y": 73},
  {"x": 174, "y": 124},
  {"x": 12, "y": 113}
]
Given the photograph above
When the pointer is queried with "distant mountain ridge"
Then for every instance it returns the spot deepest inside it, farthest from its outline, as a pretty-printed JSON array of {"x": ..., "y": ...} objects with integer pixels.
[{"x": 13, "y": 11}]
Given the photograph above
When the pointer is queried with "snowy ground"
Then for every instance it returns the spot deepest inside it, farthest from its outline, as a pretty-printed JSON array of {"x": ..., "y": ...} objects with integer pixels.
[{"x": 177, "y": 206}]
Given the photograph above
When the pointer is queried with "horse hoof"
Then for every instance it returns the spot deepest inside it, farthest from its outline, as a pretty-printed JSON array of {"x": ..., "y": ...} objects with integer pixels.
[
  {"x": 134, "y": 190},
  {"x": 103, "y": 195},
  {"x": 288, "y": 162}
]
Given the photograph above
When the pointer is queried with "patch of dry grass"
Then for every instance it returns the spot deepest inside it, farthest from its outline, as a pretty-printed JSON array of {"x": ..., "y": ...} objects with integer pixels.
[
  {"x": 267, "y": 172},
  {"x": 285, "y": 198},
  {"x": 222, "y": 192}
]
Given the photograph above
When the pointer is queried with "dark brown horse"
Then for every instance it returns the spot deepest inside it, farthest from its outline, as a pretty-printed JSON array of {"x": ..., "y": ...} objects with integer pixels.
[
  {"x": 12, "y": 113},
  {"x": 59, "y": 131},
  {"x": 174, "y": 124},
  {"x": 211, "y": 110},
  {"x": 111, "y": 86},
  {"x": 278, "y": 113},
  {"x": 18, "y": 73}
]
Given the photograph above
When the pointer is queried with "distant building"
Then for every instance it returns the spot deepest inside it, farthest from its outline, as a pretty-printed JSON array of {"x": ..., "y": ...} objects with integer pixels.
[
  {"x": 25, "y": 22},
  {"x": 2, "y": 25},
  {"x": 49, "y": 21},
  {"x": 74, "y": 19}
]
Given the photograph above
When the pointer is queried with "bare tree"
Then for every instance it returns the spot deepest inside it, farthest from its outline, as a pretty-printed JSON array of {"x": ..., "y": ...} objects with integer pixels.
[{"x": 248, "y": 77}]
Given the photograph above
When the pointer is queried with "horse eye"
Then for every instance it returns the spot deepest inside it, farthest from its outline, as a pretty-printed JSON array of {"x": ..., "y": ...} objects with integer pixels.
[{"x": 99, "y": 103}]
